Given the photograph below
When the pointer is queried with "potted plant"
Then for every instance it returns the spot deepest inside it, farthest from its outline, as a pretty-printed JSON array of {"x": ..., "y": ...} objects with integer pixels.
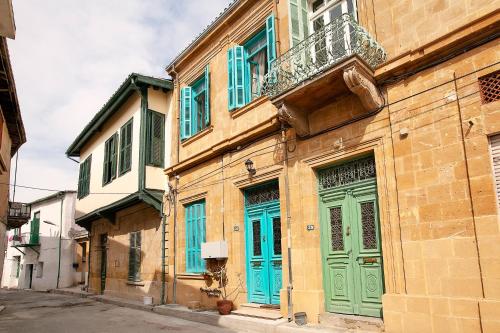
[{"x": 225, "y": 305}]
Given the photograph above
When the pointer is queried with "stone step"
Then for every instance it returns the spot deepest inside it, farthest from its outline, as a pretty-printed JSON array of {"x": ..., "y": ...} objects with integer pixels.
[
  {"x": 258, "y": 313},
  {"x": 357, "y": 323},
  {"x": 260, "y": 306}
]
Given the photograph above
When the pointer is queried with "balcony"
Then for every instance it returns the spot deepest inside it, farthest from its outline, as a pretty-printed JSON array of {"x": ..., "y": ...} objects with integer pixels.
[
  {"x": 26, "y": 240},
  {"x": 338, "y": 59},
  {"x": 19, "y": 214}
]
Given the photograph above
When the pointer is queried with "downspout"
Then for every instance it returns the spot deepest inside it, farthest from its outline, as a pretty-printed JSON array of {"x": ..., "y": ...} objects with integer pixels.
[
  {"x": 90, "y": 256},
  {"x": 60, "y": 242},
  {"x": 162, "y": 296},
  {"x": 288, "y": 223},
  {"x": 143, "y": 93},
  {"x": 174, "y": 195}
]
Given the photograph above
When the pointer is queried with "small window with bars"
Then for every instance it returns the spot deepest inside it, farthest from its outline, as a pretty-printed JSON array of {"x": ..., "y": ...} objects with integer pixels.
[
  {"x": 489, "y": 87},
  {"x": 155, "y": 142}
]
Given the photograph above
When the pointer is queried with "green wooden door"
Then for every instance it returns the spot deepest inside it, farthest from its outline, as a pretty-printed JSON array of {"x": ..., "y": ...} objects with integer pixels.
[
  {"x": 104, "y": 260},
  {"x": 350, "y": 241}
]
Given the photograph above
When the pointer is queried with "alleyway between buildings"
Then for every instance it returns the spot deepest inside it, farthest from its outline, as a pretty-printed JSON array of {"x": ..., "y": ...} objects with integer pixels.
[{"x": 27, "y": 311}]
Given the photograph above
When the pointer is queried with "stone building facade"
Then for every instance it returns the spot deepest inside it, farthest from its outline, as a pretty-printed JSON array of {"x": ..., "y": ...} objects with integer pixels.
[
  {"x": 123, "y": 151},
  {"x": 356, "y": 176}
]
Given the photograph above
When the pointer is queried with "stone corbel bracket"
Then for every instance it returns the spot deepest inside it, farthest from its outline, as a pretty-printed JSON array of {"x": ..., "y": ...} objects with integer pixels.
[
  {"x": 295, "y": 118},
  {"x": 360, "y": 83}
]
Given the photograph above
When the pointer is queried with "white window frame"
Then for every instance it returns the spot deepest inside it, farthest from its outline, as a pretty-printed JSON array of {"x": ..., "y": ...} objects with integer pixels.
[{"x": 325, "y": 13}]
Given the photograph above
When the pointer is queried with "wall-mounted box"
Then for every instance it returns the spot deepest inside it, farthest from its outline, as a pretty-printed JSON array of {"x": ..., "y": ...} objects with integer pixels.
[{"x": 214, "y": 250}]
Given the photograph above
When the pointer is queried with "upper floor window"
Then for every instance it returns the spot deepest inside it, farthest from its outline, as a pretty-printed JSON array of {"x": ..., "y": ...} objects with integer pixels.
[
  {"x": 155, "y": 138},
  {"x": 126, "y": 147},
  {"x": 110, "y": 159},
  {"x": 84, "y": 178},
  {"x": 248, "y": 64},
  {"x": 195, "y": 106},
  {"x": 195, "y": 235}
]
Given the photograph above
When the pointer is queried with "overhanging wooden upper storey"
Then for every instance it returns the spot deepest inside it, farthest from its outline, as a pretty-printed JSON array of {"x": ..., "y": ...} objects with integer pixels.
[
  {"x": 126, "y": 89},
  {"x": 9, "y": 104}
]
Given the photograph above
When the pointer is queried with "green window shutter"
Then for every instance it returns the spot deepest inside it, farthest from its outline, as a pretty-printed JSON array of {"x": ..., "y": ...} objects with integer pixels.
[
  {"x": 207, "y": 96},
  {"x": 156, "y": 150},
  {"x": 126, "y": 147},
  {"x": 239, "y": 76},
  {"x": 80, "y": 179},
  {"x": 114, "y": 155},
  {"x": 298, "y": 20},
  {"x": 88, "y": 165},
  {"x": 195, "y": 235},
  {"x": 185, "y": 125},
  {"x": 134, "y": 261},
  {"x": 105, "y": 172},
  {"x": 230, "y": 79},
  {"x": 271, "y": 41}
]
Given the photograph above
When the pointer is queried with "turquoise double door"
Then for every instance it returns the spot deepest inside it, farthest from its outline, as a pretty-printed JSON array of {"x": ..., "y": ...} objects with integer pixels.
[{"x": 263, "y": 245}]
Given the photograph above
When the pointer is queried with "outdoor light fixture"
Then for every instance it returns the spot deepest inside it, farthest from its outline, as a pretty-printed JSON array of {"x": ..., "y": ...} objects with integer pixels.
[{"x": 250, "y": 167}]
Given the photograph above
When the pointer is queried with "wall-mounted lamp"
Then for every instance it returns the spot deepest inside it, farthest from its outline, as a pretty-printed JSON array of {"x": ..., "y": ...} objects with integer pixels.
[{"x": 250, "y": 168}]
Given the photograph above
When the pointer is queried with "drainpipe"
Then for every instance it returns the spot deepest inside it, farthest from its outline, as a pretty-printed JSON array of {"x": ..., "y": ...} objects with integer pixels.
[
  {"x": 90, "y": 256},
  {"x": 60, "y": 242},
  {"x": 288, "y": 223},
  {"x": 174, "y": 196},
  {"x": 162, "y": 296}
]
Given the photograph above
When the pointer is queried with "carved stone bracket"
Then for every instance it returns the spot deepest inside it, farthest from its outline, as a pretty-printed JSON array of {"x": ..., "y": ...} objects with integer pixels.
[
  {"x": 360, "y": 83},
  {"x": 295, "y": 118}
]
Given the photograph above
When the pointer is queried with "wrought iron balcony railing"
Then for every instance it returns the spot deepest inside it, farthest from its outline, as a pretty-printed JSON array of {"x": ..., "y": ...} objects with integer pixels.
[{"x": 322, "y": 50}]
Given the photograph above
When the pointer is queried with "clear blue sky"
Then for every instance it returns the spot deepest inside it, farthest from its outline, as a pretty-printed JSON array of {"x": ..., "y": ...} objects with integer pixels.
[{"x": 70, "y": 56}]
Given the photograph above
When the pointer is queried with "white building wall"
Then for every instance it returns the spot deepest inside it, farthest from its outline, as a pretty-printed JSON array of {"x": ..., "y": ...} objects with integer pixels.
[{"x": 48, "y": 256}]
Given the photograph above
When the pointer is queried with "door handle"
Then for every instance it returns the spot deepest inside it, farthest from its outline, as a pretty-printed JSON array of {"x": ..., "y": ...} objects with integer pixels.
[
  {"x": 264, "y": 238},
  {"x": 348, "y": 231}
]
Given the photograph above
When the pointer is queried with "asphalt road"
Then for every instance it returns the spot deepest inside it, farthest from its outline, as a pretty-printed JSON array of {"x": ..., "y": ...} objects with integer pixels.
[{"x": 28, "y": 311}]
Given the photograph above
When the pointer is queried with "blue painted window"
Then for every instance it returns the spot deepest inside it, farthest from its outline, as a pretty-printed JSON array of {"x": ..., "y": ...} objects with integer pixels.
[
  {"x": 195, "y": 106},
  {"x": 195, "y": 235},
  {"x": 248, "y": 64}
]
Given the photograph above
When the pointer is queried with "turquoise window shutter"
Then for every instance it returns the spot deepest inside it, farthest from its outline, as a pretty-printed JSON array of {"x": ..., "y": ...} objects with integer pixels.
[
  {"x": 271, "y": 41},
  {"x": 239, "y": 76},
  {"x": 230, "y": 79},
  {"x": 185, "y": 125},
  {"x": 195, "y": 235},
  {"x": 207, "y": 96}
]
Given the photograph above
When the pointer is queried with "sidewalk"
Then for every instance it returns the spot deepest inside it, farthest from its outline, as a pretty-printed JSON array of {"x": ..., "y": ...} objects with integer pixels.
[{"x": 235, "y": 322}]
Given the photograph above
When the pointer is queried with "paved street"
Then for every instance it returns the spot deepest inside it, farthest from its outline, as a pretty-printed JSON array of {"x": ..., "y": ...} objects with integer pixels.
[{"x": 42, "y": 312}]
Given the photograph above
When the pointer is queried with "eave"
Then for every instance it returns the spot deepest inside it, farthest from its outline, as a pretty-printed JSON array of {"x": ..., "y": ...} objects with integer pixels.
[
  {"x": 9, "y": 104},
  {"x": 126, "y": 89},
  {"x": 152, "y": 198}
]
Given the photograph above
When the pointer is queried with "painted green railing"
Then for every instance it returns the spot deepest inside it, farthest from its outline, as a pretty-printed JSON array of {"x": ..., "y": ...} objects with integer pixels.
[{"x": 336, "y": 41}]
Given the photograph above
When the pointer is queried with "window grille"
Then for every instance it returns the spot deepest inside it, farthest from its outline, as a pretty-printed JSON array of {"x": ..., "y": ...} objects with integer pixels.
[{"x": 489, "y": 87}]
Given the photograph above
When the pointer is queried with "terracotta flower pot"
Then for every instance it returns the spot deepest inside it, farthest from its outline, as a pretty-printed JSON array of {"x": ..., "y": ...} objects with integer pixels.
[{"x": 224, "y": 306}]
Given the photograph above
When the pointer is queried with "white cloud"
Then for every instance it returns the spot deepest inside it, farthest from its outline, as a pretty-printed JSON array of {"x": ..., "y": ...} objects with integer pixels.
[{"x": 70, "y": 56}]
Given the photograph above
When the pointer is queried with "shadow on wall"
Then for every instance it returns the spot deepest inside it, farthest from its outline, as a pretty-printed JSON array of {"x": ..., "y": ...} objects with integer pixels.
[{"x": 40, "y": 265}]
